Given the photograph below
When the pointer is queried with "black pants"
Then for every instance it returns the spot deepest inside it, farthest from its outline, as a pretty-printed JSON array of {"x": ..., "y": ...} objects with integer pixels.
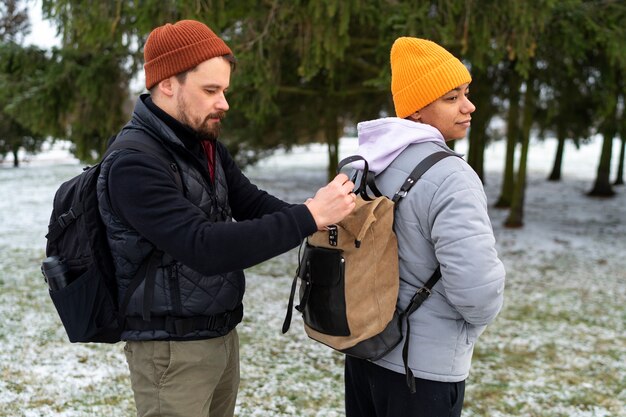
[{"x": 374, "y": 391}]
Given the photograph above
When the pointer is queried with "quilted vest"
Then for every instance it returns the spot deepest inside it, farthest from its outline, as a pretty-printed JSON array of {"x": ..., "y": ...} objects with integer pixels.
[{"x": 186, "y": 304}]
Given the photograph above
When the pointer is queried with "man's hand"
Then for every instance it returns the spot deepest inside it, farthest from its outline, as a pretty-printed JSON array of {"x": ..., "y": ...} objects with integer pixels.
[{"x": 332, "y": 202}]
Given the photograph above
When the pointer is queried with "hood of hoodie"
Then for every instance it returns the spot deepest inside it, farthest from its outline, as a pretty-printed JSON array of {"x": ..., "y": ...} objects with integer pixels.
[{"x": 382, "y": 140}]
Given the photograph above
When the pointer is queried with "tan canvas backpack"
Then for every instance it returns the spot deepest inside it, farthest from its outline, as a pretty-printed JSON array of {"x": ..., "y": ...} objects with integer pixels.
[{"x": 349, "y": 276}]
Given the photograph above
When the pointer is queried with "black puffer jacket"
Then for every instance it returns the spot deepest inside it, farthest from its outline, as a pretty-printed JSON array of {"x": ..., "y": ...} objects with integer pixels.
[{"x": 201, "y": 251}]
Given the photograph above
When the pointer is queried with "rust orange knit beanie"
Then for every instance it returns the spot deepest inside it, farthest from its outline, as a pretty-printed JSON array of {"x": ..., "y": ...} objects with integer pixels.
[
  {"x": 421, "y": 72},
  {"x": 174, "y": 48}
]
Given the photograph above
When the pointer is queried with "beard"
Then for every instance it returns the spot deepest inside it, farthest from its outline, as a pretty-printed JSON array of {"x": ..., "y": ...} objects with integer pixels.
[{"x": 203, "y": 129}]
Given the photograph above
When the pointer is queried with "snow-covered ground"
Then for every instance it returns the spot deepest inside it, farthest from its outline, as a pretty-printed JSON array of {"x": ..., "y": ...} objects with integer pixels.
[{"x": 557, "y": 349}]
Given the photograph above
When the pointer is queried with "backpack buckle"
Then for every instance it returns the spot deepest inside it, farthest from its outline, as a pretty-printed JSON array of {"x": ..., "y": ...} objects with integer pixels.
[
  {"x": 401, "y": 194},
  {"x": 70, "y": 215},
  {"x": 424, "y": 289},
  {"x": 333, "y": 234}
]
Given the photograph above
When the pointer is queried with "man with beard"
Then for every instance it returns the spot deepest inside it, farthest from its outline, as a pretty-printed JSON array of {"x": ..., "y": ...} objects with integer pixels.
[{"x": 192, "y": 244}]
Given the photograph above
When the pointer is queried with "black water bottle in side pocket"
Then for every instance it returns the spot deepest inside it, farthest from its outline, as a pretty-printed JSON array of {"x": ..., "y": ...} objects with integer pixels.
[{"x": 55, "y": 272}]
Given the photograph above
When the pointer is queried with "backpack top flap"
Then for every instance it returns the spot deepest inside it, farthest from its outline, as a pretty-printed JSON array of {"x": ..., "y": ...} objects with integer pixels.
[
  {"x": 364, "y": 214},
  {"x": 353, "y": 229}
]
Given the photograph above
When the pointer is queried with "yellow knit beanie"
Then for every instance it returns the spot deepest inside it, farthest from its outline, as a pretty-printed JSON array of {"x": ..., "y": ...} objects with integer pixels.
[{"x": 421, "y": 72}]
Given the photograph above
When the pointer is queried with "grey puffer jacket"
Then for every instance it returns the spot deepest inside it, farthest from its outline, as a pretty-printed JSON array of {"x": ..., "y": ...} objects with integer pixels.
[{"x": 443, "y": 220}]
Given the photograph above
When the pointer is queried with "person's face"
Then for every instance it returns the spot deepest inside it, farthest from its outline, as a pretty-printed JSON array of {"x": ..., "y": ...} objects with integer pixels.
[
  {"x": 450, "y": 114},
  {"x": 200, "y": 100}
]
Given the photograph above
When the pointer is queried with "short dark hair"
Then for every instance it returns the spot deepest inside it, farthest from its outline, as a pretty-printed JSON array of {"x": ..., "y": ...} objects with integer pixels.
[
  {"x": 228, "y": 57},
  {"x": 181, "y": 77}
]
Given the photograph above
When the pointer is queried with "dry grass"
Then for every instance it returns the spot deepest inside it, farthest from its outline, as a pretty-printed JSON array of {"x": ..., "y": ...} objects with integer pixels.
[{"x": 558, "y": 348}]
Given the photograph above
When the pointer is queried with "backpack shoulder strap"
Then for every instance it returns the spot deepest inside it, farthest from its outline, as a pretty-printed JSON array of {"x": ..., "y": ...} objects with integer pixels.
[
  {"x": 424, "y": 292},
  {"x": 417, "y": 173},
  {"x": 147, "y": 272},
  {"x": 367, "y": 179},
  {"x": 144, "y": 143}
]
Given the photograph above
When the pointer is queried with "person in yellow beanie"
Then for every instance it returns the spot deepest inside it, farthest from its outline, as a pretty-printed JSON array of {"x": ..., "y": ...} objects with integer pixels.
[
  {"x": 442, "y": 222},
  {"x": 187, "y": 224}
]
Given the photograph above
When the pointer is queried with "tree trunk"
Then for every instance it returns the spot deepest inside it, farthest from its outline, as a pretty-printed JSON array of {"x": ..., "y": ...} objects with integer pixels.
[
  {"x": 619, "y": 179},
  {"x": 555, "y": 175},
  {"x": 609, "y": 129},
  {"x": 512, "y": 133},
  {"x": 332, "y": 140},
  {"x": 602, "y": 186},
  {"x": 516, "y": 214},
  {"x": 16, "y": 161},
  {"x": 476, "y": 149},
  {"x": 481, "y": 97}
]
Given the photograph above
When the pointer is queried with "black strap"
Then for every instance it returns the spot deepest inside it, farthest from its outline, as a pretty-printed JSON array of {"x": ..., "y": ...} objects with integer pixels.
[
  {"x": 371, "y": 183},
  {"x": 416, "y": 301},
  {"x": 287, "y": 321},
  {"x": 350, "y": 159},
  {"x": 64, "y": 220},
  {"x": 180, "y": 326},
  {"x": 292, "y": 294},
  {"x": 146, "y": 272},
  {"x": 150, "y": 279},
  {"x": 305, "y": 297},
  {"x": 367, "y": 179},
  {"x": 423, "y": 293},
  {"x": 177, "y": 305},
  {"x": 417, "y": 173},
  {"x": 132, "y": 139}
]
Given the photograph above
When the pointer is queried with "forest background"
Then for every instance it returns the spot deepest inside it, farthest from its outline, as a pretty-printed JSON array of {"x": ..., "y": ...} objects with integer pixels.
[
  {"x": 308, "y": 71},
  {"x": 549, "y": 87}
]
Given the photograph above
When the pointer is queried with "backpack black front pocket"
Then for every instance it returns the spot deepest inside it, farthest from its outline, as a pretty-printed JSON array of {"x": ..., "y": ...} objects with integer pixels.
[
  {"x": 86, "y": 309},
  {"x": 381, "y": 344},
  {"x": 322, "y": 299}
]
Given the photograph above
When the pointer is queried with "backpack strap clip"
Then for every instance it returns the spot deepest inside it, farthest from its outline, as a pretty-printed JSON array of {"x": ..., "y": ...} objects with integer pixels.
[
  {"x": 56, "y": 229},
  {"x": 333, "y": 234},
  {"x": 417, "y": 172},
  {"x": 69, "y": 216},
  {"x": 416, "y": 301}
]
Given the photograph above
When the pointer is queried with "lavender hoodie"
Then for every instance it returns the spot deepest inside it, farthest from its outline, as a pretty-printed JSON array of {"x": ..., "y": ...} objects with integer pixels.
[{"x": 382, "y": 140}]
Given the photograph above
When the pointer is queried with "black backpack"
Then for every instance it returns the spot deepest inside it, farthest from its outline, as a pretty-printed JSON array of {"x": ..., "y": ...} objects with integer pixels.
[{"x": 79, "y": 266}]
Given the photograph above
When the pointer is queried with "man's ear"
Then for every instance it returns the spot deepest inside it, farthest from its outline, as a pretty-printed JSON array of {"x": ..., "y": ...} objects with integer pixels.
[
  {"x": 166, "y": 87},
  {"x": 415, "y": 116}
]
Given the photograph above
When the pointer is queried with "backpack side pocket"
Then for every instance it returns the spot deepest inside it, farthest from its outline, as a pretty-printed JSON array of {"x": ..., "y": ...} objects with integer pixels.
[
  {"x": 86, "y": 309},
  {"x": 322, "y": 292}
]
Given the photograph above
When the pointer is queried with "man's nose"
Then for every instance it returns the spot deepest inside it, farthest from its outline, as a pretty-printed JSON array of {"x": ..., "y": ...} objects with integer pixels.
[{"x": 222, "y": 103}]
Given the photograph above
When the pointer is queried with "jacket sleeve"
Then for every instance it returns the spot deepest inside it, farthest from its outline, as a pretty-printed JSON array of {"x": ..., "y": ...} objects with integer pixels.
[
  {"x": 472, "y": 274},
  {"x": 145, "y": 197}
]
